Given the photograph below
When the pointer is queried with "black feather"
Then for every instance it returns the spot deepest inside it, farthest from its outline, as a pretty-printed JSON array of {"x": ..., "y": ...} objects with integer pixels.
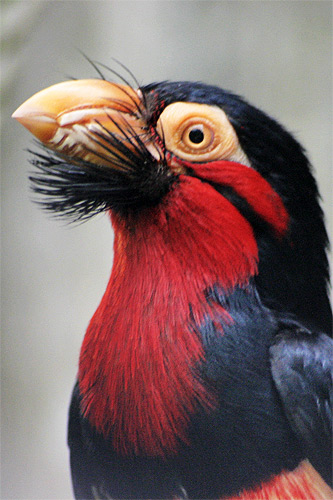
[{"x": 302, "y": 367}]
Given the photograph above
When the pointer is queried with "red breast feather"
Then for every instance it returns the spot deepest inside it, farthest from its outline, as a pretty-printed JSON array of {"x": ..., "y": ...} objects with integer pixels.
[{"x": 140, "y": 357}]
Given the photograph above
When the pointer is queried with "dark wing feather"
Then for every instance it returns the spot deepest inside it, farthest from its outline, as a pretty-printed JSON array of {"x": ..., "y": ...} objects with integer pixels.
[{"x": 302, "y": 368}]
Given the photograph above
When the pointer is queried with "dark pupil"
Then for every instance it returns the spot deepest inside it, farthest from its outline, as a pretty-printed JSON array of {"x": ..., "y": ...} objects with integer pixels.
[{"x": 196, "y": 135}]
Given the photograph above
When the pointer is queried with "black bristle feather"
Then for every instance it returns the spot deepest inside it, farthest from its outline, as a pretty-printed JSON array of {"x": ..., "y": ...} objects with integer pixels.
[{"x": 78, "y": 190}]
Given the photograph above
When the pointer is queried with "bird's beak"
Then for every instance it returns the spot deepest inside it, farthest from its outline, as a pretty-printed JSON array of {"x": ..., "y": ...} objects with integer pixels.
[{"x": 77, "y": 118}]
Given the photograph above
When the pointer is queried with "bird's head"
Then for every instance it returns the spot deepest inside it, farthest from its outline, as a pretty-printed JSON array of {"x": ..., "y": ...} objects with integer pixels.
[
  {"x": 121, "y": 149},
  {"x": 118, "y": 148},
  {"x": 112, "y": 147}
]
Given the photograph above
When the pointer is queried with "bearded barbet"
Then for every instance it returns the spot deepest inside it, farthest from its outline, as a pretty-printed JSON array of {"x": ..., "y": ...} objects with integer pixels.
[{"x": 206, "y": 371}]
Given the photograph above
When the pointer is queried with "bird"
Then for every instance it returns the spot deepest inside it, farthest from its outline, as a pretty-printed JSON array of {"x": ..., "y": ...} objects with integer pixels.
[{"x": 206, "y": 370}]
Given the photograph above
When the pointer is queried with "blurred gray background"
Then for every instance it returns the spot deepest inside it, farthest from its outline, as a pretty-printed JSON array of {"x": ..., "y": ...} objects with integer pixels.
[{"x": 276, "y": 54}]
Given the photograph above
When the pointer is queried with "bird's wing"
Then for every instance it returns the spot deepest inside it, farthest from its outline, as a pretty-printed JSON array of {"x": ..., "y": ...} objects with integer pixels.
[{"x": 302, "y": 368}]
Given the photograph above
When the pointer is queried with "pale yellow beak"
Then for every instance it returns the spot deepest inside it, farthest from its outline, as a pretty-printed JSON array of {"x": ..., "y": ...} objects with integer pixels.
[{"x": 77, "y": 118}]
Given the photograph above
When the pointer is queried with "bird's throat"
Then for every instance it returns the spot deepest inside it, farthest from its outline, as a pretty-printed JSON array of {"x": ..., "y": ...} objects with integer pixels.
[{"x": 139, "y": 372}]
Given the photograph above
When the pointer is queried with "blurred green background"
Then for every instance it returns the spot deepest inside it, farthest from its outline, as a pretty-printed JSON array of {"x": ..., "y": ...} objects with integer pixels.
[{"x": 277, "y": 54}]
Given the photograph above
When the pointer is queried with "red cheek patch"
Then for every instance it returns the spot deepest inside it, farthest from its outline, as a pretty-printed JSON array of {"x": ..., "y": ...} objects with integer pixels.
[{"x": 251, "y": 186}]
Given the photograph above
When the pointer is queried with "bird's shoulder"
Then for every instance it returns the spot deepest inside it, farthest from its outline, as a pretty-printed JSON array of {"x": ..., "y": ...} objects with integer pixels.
[{"x": 302, "y": 368}]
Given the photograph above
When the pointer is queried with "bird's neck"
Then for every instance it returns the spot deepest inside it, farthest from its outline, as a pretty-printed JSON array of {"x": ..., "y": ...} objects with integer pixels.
[{"x": 139, "y": 365}]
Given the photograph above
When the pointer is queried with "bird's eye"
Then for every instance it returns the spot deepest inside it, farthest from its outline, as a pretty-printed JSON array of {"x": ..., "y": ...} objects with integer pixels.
[
  {"x": 198, "y": 136},
  {"x": 199, "y": 132}
]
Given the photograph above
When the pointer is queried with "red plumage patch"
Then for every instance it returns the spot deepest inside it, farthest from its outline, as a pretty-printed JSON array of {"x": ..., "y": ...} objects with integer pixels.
[
  {"x": 139, "y": 361},
  {"x": 304, "y": 483},
  {"x": 251, "y": 186}
]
